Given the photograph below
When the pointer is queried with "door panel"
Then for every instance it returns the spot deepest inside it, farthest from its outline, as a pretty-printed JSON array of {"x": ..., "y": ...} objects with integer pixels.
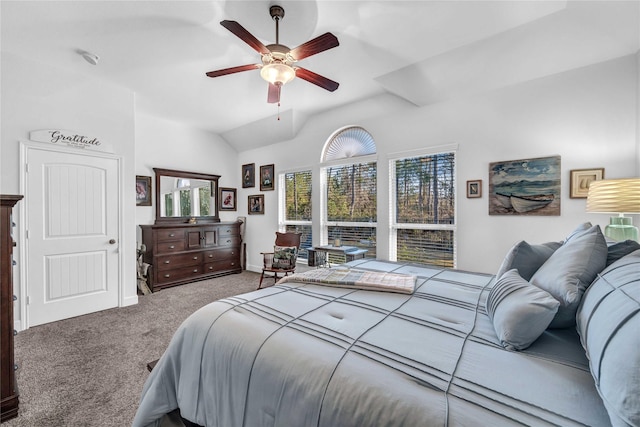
[{"x": 72, "y": 222}]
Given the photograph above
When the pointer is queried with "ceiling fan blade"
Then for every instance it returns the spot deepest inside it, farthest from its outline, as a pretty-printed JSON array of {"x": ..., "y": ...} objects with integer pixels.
[
  {"x": 274, "y": 93},
  {"x": 316, "y": 79},
  {"x": 245, "y": 36},
  {"x": 232, "y": 70},
  {"x": 317, "y": 45}
]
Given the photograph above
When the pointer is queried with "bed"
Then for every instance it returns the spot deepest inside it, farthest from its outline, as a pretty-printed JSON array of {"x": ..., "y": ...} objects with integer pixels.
[{"x": 312, "y": 354}]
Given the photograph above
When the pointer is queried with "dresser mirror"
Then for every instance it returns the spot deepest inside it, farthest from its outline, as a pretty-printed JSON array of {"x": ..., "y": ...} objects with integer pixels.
[{"x": 182, "y": 196}]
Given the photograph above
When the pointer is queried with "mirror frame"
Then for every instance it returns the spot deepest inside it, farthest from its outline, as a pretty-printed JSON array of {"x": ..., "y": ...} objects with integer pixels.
[{"x": 190, "y": 175}]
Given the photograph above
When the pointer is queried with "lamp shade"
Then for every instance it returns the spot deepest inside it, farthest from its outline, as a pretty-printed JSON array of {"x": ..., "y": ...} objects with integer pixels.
[
  {"x": 277, "y": 73},
  {"x": 614, "y": 196}
]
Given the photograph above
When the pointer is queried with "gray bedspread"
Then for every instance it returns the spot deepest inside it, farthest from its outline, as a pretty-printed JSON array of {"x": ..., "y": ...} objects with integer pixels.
[{"x": 310, "y": 355}]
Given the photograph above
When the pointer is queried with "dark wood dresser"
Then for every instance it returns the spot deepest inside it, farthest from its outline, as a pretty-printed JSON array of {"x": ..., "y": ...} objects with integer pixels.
[
  {"x": 183, "y": 253},
  {"x": 8, "y": 386}
]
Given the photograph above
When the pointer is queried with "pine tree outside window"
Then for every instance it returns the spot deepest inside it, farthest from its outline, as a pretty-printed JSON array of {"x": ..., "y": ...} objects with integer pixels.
[
  {"x": 295, "y": 207},
  {"x": 349, "y": 183},
  {"x": 423, "y": 210}
]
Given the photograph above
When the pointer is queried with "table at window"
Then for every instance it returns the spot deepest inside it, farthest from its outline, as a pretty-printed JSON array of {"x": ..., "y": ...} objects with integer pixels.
[{"x": 319, "y": 255}]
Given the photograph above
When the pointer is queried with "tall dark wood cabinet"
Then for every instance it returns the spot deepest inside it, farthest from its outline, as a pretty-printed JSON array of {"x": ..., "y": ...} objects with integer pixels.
[
  {"x": 183, "y": 253},
  {"x": 8, "y": 387}
]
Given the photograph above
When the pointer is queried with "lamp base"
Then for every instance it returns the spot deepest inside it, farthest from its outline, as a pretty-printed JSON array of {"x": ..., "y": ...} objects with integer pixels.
[{"x": 620, "y": 228}]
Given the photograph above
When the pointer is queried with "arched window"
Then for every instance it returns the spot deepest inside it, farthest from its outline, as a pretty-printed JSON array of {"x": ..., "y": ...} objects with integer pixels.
[
  {"x": 349, "y": 190},
  {"x": 352, "y": 141}
]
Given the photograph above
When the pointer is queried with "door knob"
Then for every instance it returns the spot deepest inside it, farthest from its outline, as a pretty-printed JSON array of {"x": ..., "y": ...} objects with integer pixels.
[{"x": 112, "y": 241}]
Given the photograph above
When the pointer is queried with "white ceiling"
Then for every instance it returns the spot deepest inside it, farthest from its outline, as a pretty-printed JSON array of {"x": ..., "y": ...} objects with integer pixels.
[{"x": 419, "y": 52}]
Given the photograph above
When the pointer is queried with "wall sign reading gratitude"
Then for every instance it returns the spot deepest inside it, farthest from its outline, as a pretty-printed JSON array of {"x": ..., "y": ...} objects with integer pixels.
[{"x": 70, "y": 138}]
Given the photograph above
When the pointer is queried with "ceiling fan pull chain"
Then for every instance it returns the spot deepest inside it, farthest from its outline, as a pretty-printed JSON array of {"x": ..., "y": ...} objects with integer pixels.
[{"x": 278, "y": 110}]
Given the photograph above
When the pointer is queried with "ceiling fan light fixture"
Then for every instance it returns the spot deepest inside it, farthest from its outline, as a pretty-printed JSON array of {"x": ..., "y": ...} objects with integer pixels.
[{"x": 277, "y": 73}]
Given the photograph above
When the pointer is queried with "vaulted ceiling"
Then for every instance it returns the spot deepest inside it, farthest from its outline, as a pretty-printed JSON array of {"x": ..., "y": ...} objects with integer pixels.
[{"x": 419, "y": 52}]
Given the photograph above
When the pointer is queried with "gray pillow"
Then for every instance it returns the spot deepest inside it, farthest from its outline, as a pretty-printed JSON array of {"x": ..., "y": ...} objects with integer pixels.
[
  {"x": 608, "y": 322},
  {"x": 520, "y": 312},
  {"x": 617, "y": 250},
  {"x": 579, "y": 229},
  {"x": 570, "y": 270},
  {"x": 527, "y": 258}
]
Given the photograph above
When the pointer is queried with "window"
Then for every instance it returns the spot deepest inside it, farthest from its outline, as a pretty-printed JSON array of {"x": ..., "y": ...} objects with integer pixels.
[
  {"x": 349, "y": 178},
  {"x": 295, "y": 203},
  {"x": 423, "y": 213}
]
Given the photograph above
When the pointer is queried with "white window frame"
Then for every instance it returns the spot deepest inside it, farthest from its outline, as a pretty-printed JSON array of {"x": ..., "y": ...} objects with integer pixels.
[
  {"x": 282, "y": 201},
  {"x": 394, "y": 226},
  {"x": 324, "y": 222}
]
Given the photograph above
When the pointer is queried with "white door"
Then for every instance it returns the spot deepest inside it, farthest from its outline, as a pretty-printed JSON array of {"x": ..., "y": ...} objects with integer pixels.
[{"x": 72, "y": 234}]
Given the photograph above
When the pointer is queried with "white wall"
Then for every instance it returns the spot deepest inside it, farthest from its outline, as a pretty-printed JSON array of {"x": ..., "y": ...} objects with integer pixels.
[
  {"x": 588, "y": 116},
  {"x": 36, "y": 96}
]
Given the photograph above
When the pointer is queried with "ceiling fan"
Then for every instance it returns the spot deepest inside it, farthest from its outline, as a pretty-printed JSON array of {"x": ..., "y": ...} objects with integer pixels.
[{"x": 277, "y": 66}]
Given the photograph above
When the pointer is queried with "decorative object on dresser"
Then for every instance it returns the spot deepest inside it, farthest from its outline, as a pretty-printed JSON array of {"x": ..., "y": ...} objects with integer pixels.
[
  {"x": 9, "y": 400},
  {"x": 188, "y": 242}
]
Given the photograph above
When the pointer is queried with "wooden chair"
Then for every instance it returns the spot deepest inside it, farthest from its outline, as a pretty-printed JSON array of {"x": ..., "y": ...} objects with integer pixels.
[{"x": 283, "y": 259}]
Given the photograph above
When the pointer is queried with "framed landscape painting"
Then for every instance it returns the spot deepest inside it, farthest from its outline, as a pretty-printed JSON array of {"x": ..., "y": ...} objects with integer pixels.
[{"x": 525, "y": 187}]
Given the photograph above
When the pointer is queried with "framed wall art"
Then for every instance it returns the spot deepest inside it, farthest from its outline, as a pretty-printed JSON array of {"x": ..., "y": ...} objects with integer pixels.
[
  {"x": 525, "y": 187},
  {"x": 249, "y": 175},
  {"x": 256, "y": 204},
  {"x": 266, "y": 178},
  {"x": 143, "y": 190},
  {"x": 228, "y": 199},
  {"x": 474, "y": 189},
  {"x": 580, "y": 180}
]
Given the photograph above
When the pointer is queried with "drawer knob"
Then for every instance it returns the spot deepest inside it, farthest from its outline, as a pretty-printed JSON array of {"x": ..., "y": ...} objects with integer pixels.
[
  {"x": 195, "y": 271},
  {"x": 15, "y": 332},
  {"x": 228, "y": 241},
  {"x": 15, "y": 367},
  {"x": 210, "y": 268},
  {"x": 15, "y": 298},
  {"x": 195, "y": 257},
  {"x": 172, "y": 247},
  {"x": 167, "y": 262},
  {"x": 171, "y": 235},
  {"x": 167, "y": 275},
  {"x": 210, "y": 255}
]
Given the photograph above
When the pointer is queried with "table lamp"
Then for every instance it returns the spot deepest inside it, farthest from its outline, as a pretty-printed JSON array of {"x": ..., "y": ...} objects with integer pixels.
[{"x": 618, "y": 196}]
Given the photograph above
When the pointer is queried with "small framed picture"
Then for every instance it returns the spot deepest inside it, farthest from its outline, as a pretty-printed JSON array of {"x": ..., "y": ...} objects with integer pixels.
[
  {"x": 228, "y": 199},
  {"x": 580, "y": 180},
  {"x": 474, "y": 188},
  {"x": 256, "y": 204},
  {"x": 249, "y": 175},
  {"x": 266, "y": 178},
  {"x": 143, "y": 190}
]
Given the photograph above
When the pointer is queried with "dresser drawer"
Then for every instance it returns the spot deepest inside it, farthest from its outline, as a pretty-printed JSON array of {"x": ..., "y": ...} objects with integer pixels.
[
  {"x": 228, "y": 230},
  {"x": 179, "y": 274},
  {"x": 169, "y": 247},
  {"x": 220, "y": 254},
  {"x": 169, "y": 262},
  {"x": 230, "y": 240},
  {"x": 225, "y": 264},
  {"x": 170, "y": 234}
]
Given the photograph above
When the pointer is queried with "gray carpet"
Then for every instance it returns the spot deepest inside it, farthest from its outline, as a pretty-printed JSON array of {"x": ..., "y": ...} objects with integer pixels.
[{"x": 89, "y": 370}]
